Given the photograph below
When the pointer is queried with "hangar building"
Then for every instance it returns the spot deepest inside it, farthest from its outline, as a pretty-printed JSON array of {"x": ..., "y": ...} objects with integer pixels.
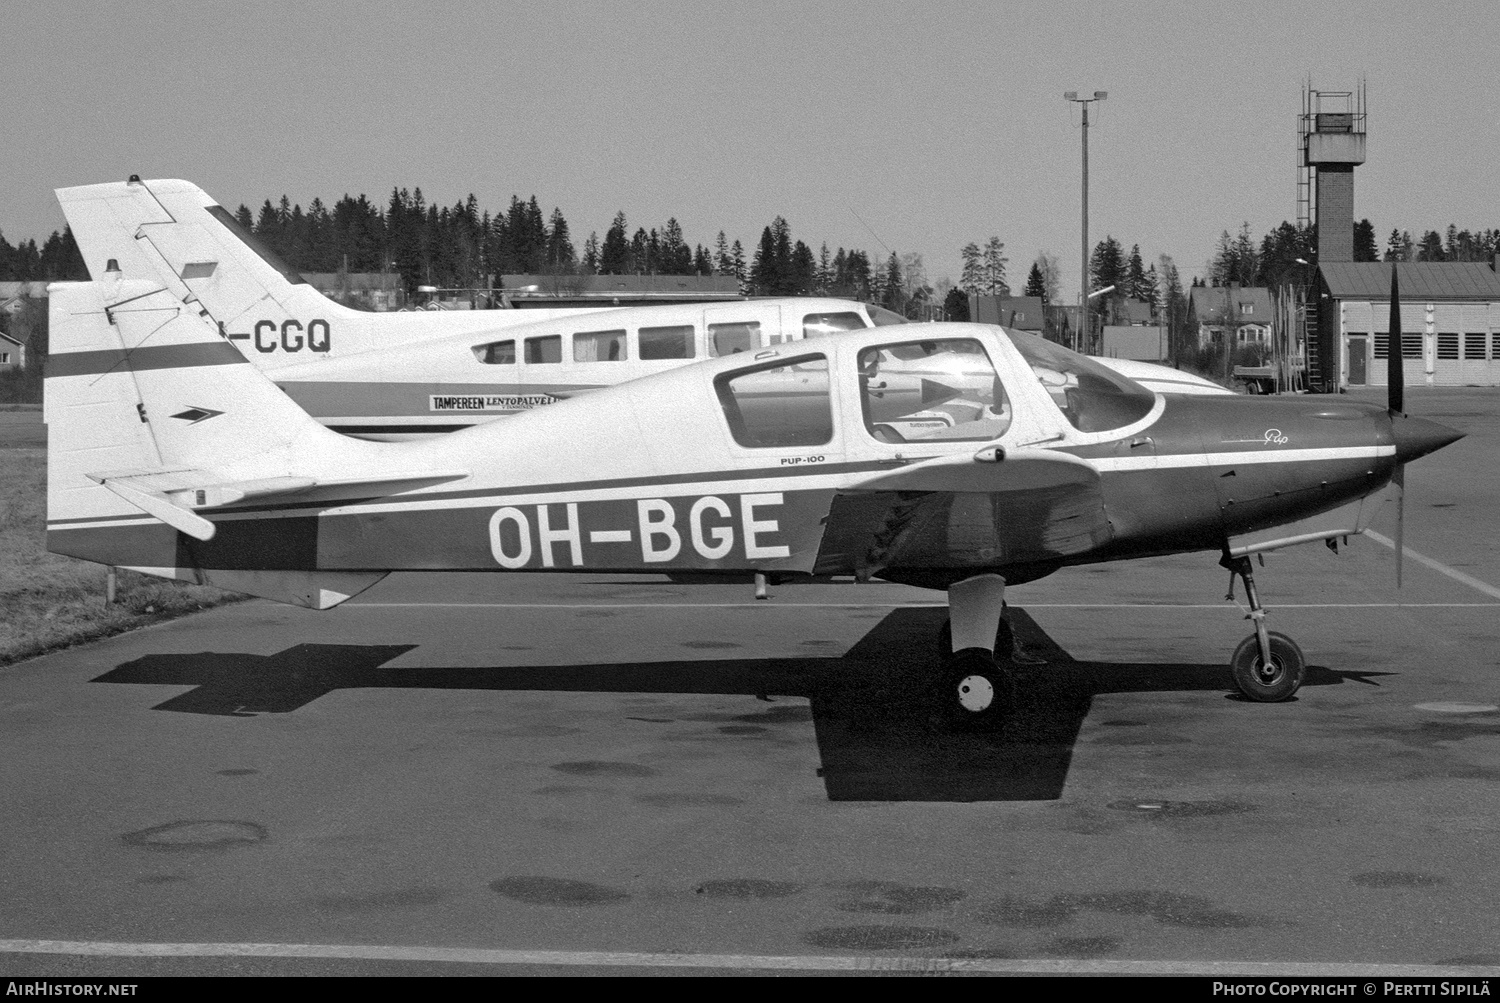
[{"x": 1450, "y": 310}]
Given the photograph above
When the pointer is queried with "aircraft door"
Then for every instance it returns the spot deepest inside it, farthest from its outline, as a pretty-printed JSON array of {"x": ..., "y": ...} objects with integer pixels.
[{"x": 742, "y": 327}]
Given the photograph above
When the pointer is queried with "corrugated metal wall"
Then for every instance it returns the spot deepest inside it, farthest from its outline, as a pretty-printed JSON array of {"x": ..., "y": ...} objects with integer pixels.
[{"x": 1460, "y": 342}]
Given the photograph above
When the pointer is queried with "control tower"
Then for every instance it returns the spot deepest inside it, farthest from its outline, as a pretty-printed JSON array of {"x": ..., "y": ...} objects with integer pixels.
[{"x": 1331, "y": 141}]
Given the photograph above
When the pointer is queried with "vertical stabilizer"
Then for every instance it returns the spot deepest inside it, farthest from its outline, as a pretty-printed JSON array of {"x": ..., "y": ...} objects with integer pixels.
[{"x": 174, "y": 232}]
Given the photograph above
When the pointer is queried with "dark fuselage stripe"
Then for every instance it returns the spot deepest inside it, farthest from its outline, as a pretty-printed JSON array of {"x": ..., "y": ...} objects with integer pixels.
[
  {"x": 505, "y": 491},
  {"x": 415, "y": 428},
  {"x": 215, "y": 353}
]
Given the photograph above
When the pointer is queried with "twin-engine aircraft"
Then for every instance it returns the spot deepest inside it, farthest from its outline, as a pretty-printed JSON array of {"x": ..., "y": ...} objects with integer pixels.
[
  {"x": 956, "y": 457},
  {"x": 160, "y": 246}
]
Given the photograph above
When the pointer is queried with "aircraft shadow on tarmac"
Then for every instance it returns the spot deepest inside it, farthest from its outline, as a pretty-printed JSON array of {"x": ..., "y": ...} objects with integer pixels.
[{"x": 871, "y": 710}]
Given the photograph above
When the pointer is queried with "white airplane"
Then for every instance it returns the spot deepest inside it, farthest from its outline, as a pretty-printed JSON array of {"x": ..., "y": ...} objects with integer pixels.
[
  {"x": 957, "y": 457},
  {"x": 400, "y": 375}
]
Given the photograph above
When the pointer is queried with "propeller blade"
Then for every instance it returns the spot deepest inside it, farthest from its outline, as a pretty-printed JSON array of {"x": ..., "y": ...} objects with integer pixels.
[
  {"x": 1398, "y": 478},
  {"x": 1395, "y": 381}
]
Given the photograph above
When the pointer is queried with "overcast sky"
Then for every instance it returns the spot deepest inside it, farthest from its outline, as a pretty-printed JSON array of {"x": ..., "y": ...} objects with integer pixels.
[{"x": 937, "y": 124}]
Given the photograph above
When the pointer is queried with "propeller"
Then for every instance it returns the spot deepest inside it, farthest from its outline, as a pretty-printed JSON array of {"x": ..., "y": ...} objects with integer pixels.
[{"x": 1395, "y": 391}]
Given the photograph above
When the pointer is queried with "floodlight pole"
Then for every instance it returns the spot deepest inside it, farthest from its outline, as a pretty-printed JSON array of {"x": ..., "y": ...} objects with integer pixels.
[{"x": 1081, "y": 342}]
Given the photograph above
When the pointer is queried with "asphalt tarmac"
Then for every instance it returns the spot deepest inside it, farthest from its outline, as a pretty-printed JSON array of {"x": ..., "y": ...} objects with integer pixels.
[{"x": 504, "y": 774}]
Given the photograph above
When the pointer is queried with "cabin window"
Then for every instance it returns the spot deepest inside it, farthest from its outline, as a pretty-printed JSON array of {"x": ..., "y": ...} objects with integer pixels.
[
  {"x": 738, "y": 336},
  {"x": 932, "y": 391},
  {"x": 667, "y": 342},
  {"x": 784, "y": 403},
  {"x": 543, "y": 349},
  {"x": 497, "y": 353},
  {"x": 1474, "y": 344},
  {"x": 815, "y": 324},
  {"x": 599, "y": 346}
]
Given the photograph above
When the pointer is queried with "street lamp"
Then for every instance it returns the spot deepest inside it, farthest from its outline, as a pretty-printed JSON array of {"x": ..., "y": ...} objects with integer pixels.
[{"x": 1083, "y": 295}]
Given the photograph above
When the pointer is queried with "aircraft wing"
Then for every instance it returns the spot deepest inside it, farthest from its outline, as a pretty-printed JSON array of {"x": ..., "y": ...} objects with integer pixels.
[
  {"x": 971, "y": 510},
  {"x": 175, "y": 496}
]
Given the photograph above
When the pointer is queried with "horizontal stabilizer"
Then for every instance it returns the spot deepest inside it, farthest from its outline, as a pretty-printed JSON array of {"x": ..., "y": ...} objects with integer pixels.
[{"x": 173, "y": 495}]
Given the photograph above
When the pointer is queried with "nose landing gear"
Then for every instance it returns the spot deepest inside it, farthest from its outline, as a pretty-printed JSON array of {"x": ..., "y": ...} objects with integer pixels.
[
  {"x": 977, "y": 687},
  {"x": 1267, "y": 667}
]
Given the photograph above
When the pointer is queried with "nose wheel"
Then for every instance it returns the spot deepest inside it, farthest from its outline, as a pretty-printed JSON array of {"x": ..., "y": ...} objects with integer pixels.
[
  {"x": 1268, "y": 682},
  {"x": 1267, "y": 667},
  {"x": 976, "y": 693}
]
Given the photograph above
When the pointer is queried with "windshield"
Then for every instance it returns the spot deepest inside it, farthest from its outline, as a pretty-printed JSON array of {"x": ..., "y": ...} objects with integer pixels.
[
  {"x": 881, "y": 317},
  {"x": 1092, "y": 397}
]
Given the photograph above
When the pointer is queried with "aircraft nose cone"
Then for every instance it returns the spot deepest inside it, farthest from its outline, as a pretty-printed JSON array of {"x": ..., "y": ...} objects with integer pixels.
[{"x": 1417, "y": 437}]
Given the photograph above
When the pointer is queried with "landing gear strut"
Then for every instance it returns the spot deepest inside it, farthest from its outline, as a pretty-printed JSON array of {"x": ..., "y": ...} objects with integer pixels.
[
  {"x": 975, "y": 688},
  {"x": 1267, "y": 667}
]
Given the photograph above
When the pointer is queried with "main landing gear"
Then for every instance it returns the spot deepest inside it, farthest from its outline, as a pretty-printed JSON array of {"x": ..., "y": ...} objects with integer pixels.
[
  {"x": 1267, "y": 667},
  {"x": 976, "y": 688}
]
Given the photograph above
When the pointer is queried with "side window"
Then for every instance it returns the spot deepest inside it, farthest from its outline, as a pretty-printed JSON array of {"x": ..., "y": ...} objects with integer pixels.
[
  {"x": 545, "y": 348},
  {"x": 599, "y": 346},
  {"x": 740, "y": 336},
  {"x": 815, "y": 324},
  {"x": 932, "y": 391},
  {"x": 496, "y": 353},
  {"x": 667, "y": 342},
  {"x": 782, "y": 404}
]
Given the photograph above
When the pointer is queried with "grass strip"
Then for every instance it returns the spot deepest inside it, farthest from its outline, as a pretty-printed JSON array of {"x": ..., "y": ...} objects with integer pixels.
[{"x": 47, "y": 601}]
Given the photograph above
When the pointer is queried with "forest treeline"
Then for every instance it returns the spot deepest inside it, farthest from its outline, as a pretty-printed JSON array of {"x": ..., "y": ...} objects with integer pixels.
[{"x": 464, "y": 247}]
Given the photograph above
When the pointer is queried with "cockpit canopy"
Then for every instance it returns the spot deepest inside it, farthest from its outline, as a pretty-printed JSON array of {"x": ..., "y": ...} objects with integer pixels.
[{"x": 948, "y": 387}]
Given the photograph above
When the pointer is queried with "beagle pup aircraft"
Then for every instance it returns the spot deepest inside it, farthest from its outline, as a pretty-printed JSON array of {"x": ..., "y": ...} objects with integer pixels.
[
  {"x": 955, "y": 457},
  {"x": 155, "y": 245}
]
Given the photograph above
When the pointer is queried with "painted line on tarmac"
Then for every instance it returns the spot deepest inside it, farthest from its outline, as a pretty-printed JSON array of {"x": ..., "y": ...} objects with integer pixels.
[
  {"x": 902, "y": 605},
  {"x": 1438, "y": 566},
  {"x": 759, "y": 962}
]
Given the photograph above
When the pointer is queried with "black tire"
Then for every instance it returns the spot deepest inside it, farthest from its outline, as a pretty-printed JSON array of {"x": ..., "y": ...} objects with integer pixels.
[
  {"x": 976, "y": 693},
  {"x": 1005, "y": 641},
  {"x": 1273, "y": 684}
]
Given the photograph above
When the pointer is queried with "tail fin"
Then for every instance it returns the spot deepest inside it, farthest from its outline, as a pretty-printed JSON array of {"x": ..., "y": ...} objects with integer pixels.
[
  {"x": 174, "y": 232},
  {"x": 155, "y": 423}
]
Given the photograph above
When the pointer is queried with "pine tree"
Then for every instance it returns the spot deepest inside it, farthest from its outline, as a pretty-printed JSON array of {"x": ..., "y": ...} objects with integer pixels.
[
  {"x": 560, "y": 255},
  {"x": 1364, "y": 242},
  {"x": 892, "y": 295},
  {"x": 994, "y": 268},
  {"x": 675, "y": 258},
  {"x": 1135, "y": 277},
  {"x": 1035, "y": 284},
  {"x": 803, "y": 271},
  {"x": 823, "y": 277},
  {"x": 737, "y": 262},
  {"x": 781, "y": 235},
  {"x": 1430, "y": 247},
  {"x": 591, "y": 253},
  {"x": 972, "y": 280},
  {"x": 765, "y": 277},
  {"x": 614, "y": 257},
  {"x": 723, "y": 263}
]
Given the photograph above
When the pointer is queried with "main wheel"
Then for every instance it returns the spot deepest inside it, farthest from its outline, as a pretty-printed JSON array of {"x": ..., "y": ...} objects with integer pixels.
[
  {"x": 1268, "y": 683},
  {"x": 1005, "y": 641},
  {"x": 975, "y": 692}
]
